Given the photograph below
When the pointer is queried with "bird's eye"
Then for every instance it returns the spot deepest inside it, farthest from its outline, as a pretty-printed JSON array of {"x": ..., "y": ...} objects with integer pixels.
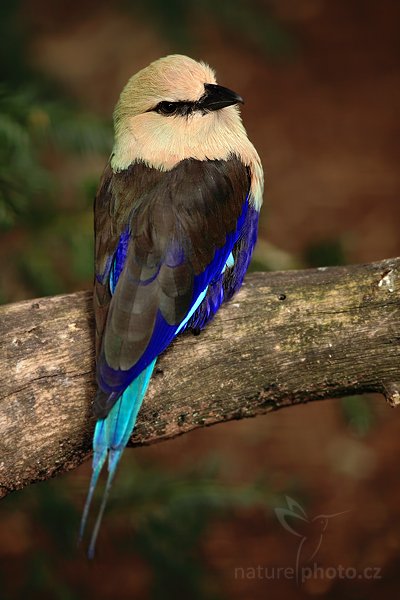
[{"x": 166, "y": 108}]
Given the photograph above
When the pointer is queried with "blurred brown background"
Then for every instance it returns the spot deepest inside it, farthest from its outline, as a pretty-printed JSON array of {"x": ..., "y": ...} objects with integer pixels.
[{"x": 194, "y": 517}]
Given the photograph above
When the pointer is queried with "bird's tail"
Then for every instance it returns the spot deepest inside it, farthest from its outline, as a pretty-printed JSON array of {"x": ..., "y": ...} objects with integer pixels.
[{"x": 110, "y": 438}]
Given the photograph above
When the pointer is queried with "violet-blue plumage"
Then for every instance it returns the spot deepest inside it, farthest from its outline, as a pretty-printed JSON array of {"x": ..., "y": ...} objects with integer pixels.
[
  {"x": 176, "y": 219},
  {"x": 118, "y": 260}
]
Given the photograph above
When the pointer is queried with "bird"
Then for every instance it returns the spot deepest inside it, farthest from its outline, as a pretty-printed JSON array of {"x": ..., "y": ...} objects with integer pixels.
[{"x": 176, "y": 219}]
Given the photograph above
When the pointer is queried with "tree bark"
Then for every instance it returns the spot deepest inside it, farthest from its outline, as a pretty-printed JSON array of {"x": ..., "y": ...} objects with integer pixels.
[{"x": 286, "y": 338}]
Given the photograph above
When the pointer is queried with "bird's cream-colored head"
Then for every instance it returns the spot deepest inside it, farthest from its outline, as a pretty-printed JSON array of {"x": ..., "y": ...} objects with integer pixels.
[
  {"x": 173, "y": 110},
  {"x": 170, "y": 79}
]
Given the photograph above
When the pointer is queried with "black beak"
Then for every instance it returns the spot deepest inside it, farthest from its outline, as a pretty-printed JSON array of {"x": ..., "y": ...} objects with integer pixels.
[{"x": 217, "y": 97}]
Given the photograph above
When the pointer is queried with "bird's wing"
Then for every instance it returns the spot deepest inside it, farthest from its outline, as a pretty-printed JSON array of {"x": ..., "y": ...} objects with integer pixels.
[{"x": 161, "y": 238}]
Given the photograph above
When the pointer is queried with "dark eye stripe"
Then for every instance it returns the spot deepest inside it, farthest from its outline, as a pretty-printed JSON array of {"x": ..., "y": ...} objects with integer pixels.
[{"x": 183, "y": 109}]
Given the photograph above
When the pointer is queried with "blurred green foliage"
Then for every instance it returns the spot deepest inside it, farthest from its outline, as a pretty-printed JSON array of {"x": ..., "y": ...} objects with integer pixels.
[
  {"x": 13, "y": 36},
  {"x": 326, "y": 253},
  {"x": 22, "y": 177},
  {"x": 30, "y": 127},
  {"x": 35, "y": 132},
  {"x": 358, "y": 413}
]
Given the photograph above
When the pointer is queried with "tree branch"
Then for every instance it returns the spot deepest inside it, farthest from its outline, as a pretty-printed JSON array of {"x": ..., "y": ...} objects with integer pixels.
[{"x": 286, "y": 338}]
